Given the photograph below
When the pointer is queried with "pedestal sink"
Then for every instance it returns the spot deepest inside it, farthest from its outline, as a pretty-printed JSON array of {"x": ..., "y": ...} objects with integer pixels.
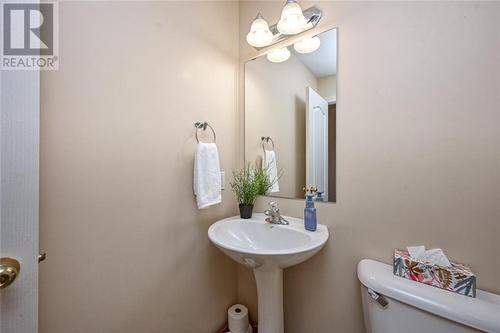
[{"x": 267, "y": 249}]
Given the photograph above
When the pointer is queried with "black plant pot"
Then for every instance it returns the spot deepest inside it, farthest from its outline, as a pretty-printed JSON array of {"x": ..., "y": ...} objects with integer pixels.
[{"x": 246, "y": 211}]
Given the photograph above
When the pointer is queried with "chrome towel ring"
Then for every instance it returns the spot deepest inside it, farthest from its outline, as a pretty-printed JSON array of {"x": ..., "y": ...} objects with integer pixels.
[
  {"x": 266, "y": 139},
  {"x": 203, "y": 126}
]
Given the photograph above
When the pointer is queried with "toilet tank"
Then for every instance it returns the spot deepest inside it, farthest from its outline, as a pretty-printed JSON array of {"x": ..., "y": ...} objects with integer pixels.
[{"x": 418, "y": 308}]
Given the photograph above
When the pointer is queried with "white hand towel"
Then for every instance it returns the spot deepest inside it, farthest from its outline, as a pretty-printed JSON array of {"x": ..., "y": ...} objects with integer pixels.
[
  {"x": 207, "y": 178},
  {"x": 270, "y": 164}
]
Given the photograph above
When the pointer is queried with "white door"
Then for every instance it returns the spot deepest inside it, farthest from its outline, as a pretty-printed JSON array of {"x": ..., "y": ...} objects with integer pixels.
[
  {"x": 317, "y": 141},
  {"x": 19, "y": 141}
]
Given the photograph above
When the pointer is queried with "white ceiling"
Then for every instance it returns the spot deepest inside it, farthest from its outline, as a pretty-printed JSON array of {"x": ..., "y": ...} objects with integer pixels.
[{"x": 323, "y": 61}]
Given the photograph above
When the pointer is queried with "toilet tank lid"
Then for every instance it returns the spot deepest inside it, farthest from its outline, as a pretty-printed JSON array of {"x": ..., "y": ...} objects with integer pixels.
[{"x": 482, "y": 312}]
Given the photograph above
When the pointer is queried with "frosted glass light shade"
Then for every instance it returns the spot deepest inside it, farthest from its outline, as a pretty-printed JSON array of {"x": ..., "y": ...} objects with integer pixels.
[
  {"x": 307, "y": 45},
  {"x": 279, "y": 55},
  {"x": 259, "y": 35},
  {"x": 292, "y": 19}
]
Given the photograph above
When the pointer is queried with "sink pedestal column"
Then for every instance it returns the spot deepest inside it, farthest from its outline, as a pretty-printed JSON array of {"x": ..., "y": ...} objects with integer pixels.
[{"x": 270, "y": 299}]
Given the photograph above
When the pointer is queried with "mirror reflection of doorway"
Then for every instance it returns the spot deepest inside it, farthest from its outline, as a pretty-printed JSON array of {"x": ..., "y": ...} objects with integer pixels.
[
  {"x": 332, "y": 151},
  {"x": 317, "y": 142},
  {"x": 321, "y": 147}
]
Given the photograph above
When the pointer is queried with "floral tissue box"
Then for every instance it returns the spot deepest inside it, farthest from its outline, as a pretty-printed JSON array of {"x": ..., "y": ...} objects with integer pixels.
[{"x": 458, "y": 278}]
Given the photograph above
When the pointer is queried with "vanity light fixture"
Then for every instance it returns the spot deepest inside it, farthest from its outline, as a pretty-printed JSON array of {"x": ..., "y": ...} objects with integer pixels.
[
  {"x": 278, "y": 55},
  {"x": 259, "y": 35},
  {"x": 292, "y": 19},
  {"x": 307, "y": 44}
]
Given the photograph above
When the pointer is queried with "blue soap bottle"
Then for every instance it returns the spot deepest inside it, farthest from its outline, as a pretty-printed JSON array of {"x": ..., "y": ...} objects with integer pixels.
[{"x": 310, "y": 221}]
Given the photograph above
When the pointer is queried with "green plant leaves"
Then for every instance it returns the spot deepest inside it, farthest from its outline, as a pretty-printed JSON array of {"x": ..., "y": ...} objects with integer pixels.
[{"x": 250, "y": 182}]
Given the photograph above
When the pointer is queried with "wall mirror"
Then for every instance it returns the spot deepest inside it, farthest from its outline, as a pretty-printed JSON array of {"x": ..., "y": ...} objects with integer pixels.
[{"x": 290, "y": 115}]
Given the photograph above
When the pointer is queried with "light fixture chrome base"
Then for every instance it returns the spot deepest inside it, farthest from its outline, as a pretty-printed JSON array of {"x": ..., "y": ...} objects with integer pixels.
[{"x": 312, "y": 14}]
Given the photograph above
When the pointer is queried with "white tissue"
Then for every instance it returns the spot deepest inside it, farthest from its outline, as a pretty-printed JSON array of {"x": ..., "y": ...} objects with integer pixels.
[
  {"x": 433, "y": 256},
  {"x": 416, "y": 252},
  {"x": 437, "y": 257}
]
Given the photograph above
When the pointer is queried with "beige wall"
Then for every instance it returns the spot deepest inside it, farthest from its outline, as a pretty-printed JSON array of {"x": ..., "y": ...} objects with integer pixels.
[
  {"x": 275, "y": 104},
  {"x": 127, "y": 250},
  {"x": 418, "y": 159},
  {"x": 327, "y": 87},
  {"x": 418, "y": 149}
]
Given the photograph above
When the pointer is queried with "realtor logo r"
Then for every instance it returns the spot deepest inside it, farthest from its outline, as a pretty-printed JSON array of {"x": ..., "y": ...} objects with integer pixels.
[{"x": 29, "y": 35}]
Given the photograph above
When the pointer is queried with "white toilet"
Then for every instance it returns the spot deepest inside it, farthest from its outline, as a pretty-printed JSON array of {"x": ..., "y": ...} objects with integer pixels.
[{"x": 412, "y": 307}]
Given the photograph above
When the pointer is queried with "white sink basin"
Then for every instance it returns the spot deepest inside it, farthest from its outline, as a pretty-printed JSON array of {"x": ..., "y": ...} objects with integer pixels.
[
  {"x": 267, "y": 248},
  {"x": 266, "y": 244}
]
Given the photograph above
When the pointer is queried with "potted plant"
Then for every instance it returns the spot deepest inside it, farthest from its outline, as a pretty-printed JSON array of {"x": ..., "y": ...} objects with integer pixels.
[
  {"x": 263, "y": 182},
  {"x": 248, "y": 183},
  {"x": 245, "y": 189}
]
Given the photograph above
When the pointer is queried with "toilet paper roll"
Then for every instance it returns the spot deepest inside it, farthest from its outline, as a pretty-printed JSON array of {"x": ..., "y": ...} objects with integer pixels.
[{"x": 237, "y": 318}]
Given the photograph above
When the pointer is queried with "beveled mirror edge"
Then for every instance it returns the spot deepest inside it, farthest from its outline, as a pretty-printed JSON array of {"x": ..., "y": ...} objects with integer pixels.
[{"x": 263, "y": 52}]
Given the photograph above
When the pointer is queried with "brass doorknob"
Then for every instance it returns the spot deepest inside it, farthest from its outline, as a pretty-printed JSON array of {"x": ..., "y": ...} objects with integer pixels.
[{"x": 9, "y": 269}]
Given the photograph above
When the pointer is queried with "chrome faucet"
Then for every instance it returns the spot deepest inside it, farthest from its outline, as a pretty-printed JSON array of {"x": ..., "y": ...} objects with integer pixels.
[{"x": 273, "y": 214}]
